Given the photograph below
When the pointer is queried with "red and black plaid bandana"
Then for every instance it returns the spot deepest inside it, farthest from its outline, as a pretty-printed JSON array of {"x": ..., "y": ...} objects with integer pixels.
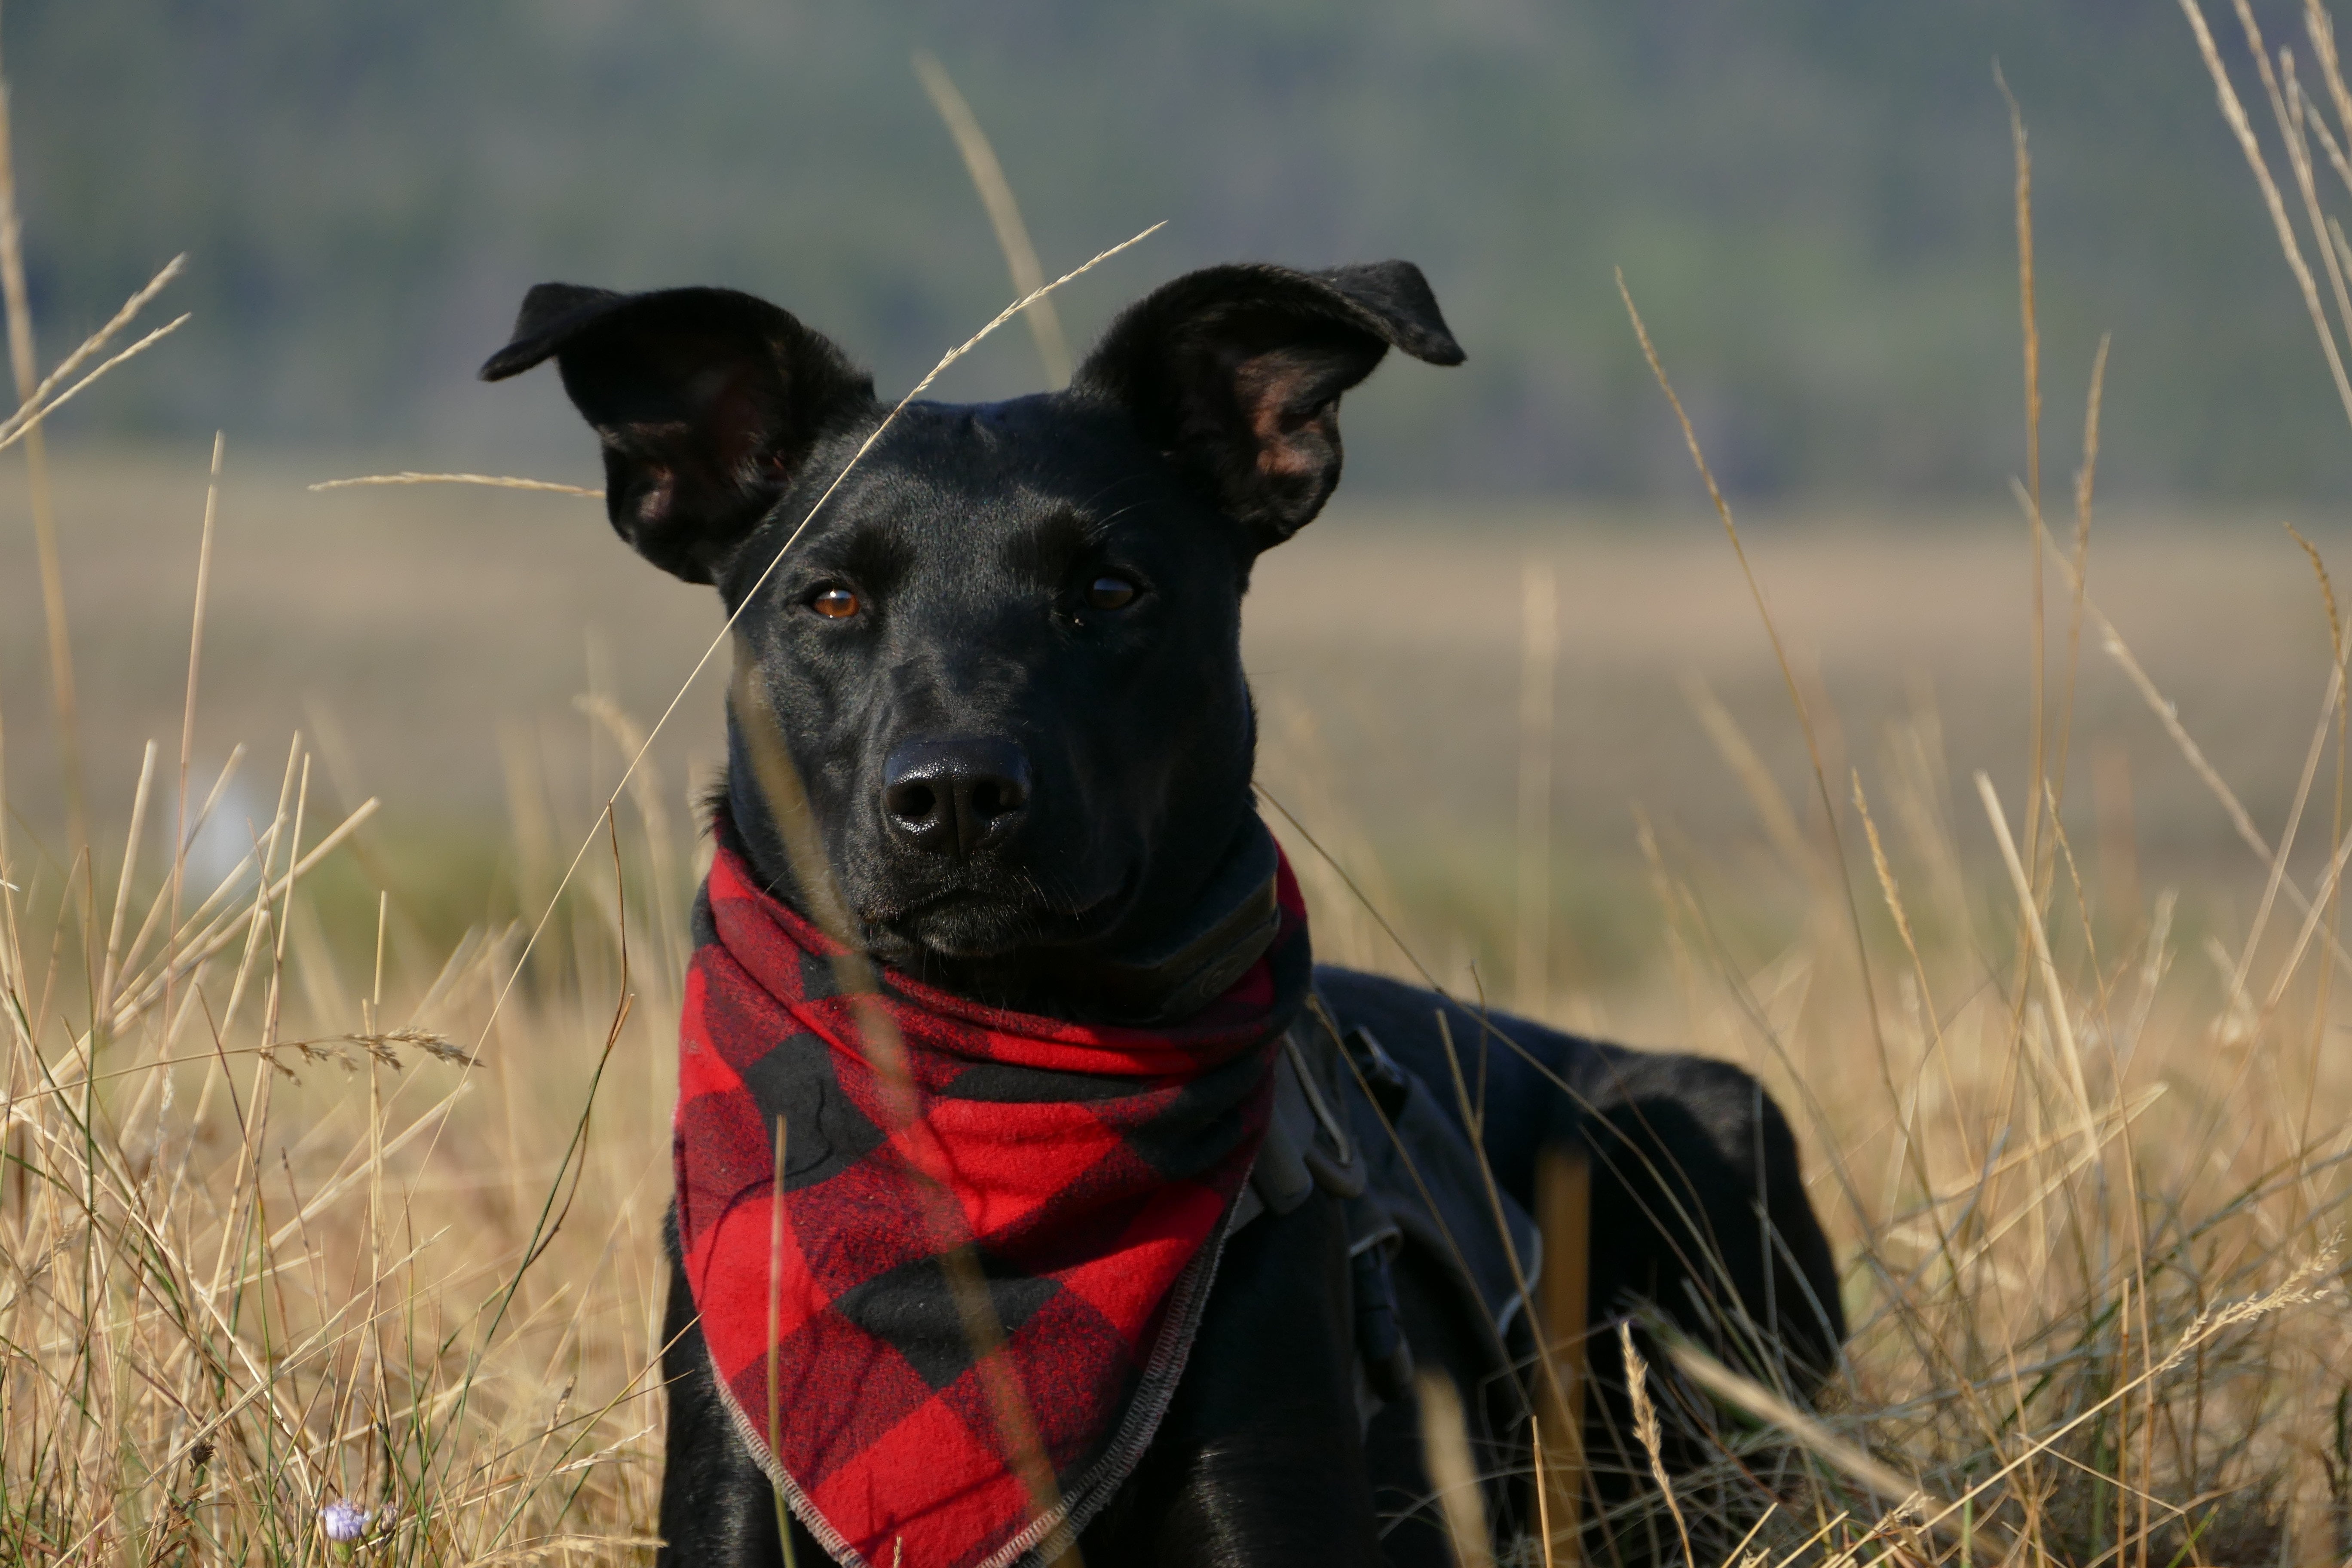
[{"x": 1090, "y": 1169}]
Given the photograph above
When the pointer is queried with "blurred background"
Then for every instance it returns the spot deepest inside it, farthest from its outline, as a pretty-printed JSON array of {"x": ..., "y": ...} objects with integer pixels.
[{"x": 1811, "y": 201}]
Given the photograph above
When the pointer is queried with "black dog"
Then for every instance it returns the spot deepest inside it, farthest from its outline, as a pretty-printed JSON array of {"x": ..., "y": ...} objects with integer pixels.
[{"x": 1004, "y": 659}]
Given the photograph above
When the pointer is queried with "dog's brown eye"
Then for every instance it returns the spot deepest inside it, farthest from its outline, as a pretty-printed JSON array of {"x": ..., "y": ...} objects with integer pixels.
[
  {"x": 835, "y": 604},
  {"x": 1108, "y": 592}
]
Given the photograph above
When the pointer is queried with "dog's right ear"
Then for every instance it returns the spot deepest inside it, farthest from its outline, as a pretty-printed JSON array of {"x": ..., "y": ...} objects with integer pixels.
[
  {"x": 1235, "y": 374},
  {"x": 707, "y": 402}
]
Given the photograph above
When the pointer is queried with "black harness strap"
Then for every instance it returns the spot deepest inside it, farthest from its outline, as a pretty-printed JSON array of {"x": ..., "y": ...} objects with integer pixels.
[{"x": 1349, "y": 1120}]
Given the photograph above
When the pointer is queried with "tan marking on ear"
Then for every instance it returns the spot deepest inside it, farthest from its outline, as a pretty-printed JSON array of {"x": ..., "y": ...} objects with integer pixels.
[
  {"x": 1287, "y": 457},
  {"x": 1271, "y": 393},
  {"x": 656, "y": 492}
]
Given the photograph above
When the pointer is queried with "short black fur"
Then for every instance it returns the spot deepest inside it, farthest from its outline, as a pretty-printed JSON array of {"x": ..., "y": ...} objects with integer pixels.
[{"x": 1004, "y": 657}]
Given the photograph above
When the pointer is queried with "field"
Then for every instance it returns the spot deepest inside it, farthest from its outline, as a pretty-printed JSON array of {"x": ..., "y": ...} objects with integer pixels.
[
  {"x": 341, "y": 1007},
  {"x": 325, "y": 1273}
]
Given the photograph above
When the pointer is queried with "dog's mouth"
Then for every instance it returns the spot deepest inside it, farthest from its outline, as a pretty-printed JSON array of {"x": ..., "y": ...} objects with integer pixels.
[
  {"x": 1019, "y": 911},
  {"x": 1106, "y": 956}
]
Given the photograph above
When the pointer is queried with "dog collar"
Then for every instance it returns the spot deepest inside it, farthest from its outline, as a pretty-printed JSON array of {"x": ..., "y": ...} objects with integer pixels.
[{"x": 1233, "y": 925}]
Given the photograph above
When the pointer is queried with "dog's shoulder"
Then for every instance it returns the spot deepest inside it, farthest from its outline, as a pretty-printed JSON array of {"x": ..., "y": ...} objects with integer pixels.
[
  {"x": 1530, "y": 1083},
  {"x": 1508, "y": 1062}
]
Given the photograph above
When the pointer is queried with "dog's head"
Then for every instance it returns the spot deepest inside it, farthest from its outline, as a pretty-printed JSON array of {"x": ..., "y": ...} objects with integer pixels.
[{"x": 1004, "y": 655}]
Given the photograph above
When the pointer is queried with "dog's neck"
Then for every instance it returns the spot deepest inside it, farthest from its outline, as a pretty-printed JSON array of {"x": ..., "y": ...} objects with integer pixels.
[{"x": 1160, "y": 969}]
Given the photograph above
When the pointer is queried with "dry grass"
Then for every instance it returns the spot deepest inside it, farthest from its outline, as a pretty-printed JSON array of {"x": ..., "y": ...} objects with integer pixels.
[{"x": 295, "y": 1211}]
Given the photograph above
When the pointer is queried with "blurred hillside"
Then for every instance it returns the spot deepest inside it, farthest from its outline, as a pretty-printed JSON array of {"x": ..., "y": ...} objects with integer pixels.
[{"x": 1810, "y": 199}]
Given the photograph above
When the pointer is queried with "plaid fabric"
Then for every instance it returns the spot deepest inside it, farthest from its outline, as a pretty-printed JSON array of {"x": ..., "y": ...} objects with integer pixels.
[{"x": 1092, "y": 1170}]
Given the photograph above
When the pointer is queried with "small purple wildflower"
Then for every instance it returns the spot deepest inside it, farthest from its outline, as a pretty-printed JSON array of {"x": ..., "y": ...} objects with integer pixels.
[{"x": 344, "y": 1523}]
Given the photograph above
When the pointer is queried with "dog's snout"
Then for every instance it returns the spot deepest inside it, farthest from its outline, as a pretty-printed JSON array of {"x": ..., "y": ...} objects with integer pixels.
[{"x": 953, "y": 797}]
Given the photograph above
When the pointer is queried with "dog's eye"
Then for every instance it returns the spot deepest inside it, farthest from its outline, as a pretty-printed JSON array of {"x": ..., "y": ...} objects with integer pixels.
[
  {"x": 1109, "y": 592},
  {"x": 835, "y": 602}
]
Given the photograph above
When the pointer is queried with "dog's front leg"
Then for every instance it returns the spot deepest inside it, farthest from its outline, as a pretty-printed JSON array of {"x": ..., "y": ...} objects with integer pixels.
[
  {"x": 1259, "y": 1462},
  {"x": 717, "y": 1507}
]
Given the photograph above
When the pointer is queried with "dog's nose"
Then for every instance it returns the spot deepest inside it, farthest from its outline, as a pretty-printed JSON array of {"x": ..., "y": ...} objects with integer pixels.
[{"x": 952, "y": 797}]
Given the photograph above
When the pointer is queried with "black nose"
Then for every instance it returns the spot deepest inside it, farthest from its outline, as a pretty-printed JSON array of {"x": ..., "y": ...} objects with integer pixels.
[{"x": 951, "y": 797}]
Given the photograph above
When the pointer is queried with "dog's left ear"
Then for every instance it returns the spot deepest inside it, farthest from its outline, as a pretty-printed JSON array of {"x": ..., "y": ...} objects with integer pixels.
[
  {"x": 1235, "y": 373},
  {"x": 707, "y": 403}
]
